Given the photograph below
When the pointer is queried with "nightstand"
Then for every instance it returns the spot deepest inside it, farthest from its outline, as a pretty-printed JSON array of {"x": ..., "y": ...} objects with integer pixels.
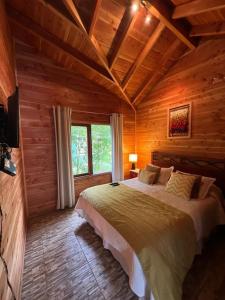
[{"x": 134, "y": 173}]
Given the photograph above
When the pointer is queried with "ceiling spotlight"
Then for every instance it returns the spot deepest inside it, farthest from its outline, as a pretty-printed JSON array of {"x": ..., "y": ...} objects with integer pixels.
[
  {"x": 134, "y": 6},
  {"x": 147, "y": 19}
]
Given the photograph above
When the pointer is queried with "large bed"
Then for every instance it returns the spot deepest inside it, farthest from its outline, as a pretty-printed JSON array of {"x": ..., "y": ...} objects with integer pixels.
[{"x": 205, "y": 214}]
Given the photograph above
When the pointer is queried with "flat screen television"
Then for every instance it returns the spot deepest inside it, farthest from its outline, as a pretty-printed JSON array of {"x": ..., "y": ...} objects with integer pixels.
[{"x": 13, "y": 116}]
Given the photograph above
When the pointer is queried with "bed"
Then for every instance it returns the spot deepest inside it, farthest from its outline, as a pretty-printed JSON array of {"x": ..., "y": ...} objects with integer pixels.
[{"x": 205, "y": 215}]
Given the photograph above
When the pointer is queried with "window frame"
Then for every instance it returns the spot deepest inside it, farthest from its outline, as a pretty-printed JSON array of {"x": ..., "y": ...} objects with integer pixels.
[{"x": 89, "y": 144}]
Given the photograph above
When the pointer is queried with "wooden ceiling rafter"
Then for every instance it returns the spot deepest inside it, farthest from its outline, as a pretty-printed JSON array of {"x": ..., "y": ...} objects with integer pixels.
[
  {"x": 29, "y": 25},
  {"x": 197, "y": 7},
  {"x": 157, "y": 75},
  {"x": 151, "y": 42},
  {"x": 124, "y": 29},
  {"x": 208, "y": 29},
  {"x": 94, "y": 43},
  {"x": 74, "y": 13},
  {"x": 162, "y": 11},
  {"x": 94, "y": 17},
  {"x": 56, "y": 12}
]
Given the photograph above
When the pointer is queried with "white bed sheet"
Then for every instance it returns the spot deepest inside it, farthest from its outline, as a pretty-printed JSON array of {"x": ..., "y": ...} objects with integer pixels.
[{"x": 206, "y": 214}]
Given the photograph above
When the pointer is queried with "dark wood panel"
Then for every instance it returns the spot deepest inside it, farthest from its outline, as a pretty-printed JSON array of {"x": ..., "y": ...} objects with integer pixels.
[{"x": 201, "y": 165}]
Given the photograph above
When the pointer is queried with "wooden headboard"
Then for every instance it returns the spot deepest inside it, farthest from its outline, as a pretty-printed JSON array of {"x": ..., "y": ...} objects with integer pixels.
[{"x": 211, "y": 167}]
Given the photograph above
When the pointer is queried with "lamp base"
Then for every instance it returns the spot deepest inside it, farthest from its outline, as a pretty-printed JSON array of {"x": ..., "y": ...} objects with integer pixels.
[{"x": 133, "y": 166}]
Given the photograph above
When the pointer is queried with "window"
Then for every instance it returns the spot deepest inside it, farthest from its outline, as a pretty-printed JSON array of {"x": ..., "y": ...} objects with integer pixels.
[{"x": 91, "y": 149}]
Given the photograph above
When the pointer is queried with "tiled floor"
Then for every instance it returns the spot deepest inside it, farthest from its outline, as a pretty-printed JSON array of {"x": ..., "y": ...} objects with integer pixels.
[{"x": 65, "y": 259}]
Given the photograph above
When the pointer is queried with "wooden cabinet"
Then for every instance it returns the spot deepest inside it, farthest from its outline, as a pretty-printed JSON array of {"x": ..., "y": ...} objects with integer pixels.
[{"x": 134, "y": 173}]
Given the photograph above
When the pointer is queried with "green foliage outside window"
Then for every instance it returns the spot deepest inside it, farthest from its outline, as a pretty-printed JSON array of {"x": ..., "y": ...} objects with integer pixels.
[
  {"x": 101, "y": 145},
  {"x": 79, "y": 149},
  {"x": 101, "y": 148}
]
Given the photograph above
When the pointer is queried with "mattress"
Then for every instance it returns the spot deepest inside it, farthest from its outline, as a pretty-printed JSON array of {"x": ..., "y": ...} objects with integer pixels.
[{"x": 206, "y": 214}]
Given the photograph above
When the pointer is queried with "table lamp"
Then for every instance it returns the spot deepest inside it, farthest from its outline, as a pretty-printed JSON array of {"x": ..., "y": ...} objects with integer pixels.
[{"x": 133, "y": 160}]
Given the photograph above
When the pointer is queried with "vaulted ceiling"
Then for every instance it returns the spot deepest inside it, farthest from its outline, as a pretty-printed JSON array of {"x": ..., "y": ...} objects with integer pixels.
[{"x": 126, "y": 46}]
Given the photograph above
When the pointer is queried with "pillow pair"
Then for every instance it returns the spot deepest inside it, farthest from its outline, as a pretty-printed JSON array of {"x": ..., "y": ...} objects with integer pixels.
[
  {"x": 162, "y": 174},
  {"x": 188, "y": 186},
  {"x": 201, "y": 185},
  {"x": 149, "y": 174},
  {"x": 157, "y": 174}
]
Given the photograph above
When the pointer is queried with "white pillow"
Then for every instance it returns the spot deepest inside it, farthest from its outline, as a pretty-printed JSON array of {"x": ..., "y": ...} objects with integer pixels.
[
  {"x": 164, "y": 175},
  {"x": 206, "y": 183}
]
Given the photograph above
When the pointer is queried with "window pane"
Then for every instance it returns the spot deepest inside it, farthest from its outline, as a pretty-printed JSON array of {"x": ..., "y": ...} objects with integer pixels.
[
  {"x": 79, "y": 149},
  {"x": 101, "y": 148}
]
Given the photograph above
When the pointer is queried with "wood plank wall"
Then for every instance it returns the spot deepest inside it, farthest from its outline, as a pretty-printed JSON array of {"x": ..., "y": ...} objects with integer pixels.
[
  {"x": 198, "y": 77},
  {"x": 12, "y": 198},
  {"x": 43, "y": 84},
  {"x": 7, "y": 68},
  {"x": 12, "y": 201}
]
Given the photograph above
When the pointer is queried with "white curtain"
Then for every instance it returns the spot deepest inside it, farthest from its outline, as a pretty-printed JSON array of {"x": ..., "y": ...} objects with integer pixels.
[
  {"x": 117, "y": 147},
  {"x": 62, "y": 121}
]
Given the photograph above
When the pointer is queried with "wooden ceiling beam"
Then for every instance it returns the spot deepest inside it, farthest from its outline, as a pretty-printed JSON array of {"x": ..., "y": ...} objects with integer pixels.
[
  {"x": 94, "y": 17},
  {"x": 208, "y": 29},
  {"x": 29, "y": 25},
  {"x": 122, "y": 33},
  {"x": 163, "y": 11},
  {"x": 197, "y": 7},
  {"x": 94, "y": 43},
  {"x": 151, "y": 42},
  {"x": 74, "y": 13},
  {"x": 50, "y": 5},
  {"x": 157, "y": 75}
]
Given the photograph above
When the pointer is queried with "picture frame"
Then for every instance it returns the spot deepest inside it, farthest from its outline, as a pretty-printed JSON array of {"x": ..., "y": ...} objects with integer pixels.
[{"x": 179, "y": 121}]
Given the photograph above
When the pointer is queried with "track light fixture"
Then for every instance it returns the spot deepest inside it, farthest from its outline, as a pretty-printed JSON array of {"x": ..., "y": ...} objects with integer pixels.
[{"x": 135, "y": 6}]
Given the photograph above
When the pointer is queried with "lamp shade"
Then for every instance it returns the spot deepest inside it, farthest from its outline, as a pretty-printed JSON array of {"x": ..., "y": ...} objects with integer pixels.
[{"x": 132, "y": 157}]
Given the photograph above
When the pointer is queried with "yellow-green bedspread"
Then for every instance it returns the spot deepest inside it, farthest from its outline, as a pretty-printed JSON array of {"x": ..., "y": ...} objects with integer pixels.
[{"x": 162, "y": 236}]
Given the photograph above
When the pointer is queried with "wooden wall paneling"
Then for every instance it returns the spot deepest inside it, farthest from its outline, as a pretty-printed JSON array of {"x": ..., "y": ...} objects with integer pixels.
[
  {"x": 7, "y": 64},
  {"x": 217, "y": 28},
  {"x": 81, "y": 184},
  {"x": 197, "y": 7},
  {"x": 163, "y": 11},
  {"x": 34, "y": 28},
  {"x": 60, "y": 25},
  {"x": 155, "y": 78},
  {"x": 74, "y": 13},
  {"x": 191, "y": 79},
  {"x": 94, "y": 17},
  {"x": 12, "y": 199},
  {"x": 128, "y": 136},
  {"x": 90, "y": 118},
  {"x": 207, "y": 17},
  {"x": 152, "y": 40},
  {"x": 76, "y": 38},
  {"x": 14, "y": 226},
  {"x": 117, "y": 28},
  {"x": 110, "y": 16},
  {"x": 123, "y": 31},
  {"x": 42, "y": 84},
  {"x": 140, "y": 76}
]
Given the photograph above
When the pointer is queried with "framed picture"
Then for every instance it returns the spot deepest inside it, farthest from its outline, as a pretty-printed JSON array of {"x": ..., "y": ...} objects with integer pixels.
[{"x": 179, "y": 121}]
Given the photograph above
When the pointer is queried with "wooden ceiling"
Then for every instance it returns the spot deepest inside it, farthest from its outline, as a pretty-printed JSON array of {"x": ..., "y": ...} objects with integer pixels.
[{"x": 111, "y": 43}]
